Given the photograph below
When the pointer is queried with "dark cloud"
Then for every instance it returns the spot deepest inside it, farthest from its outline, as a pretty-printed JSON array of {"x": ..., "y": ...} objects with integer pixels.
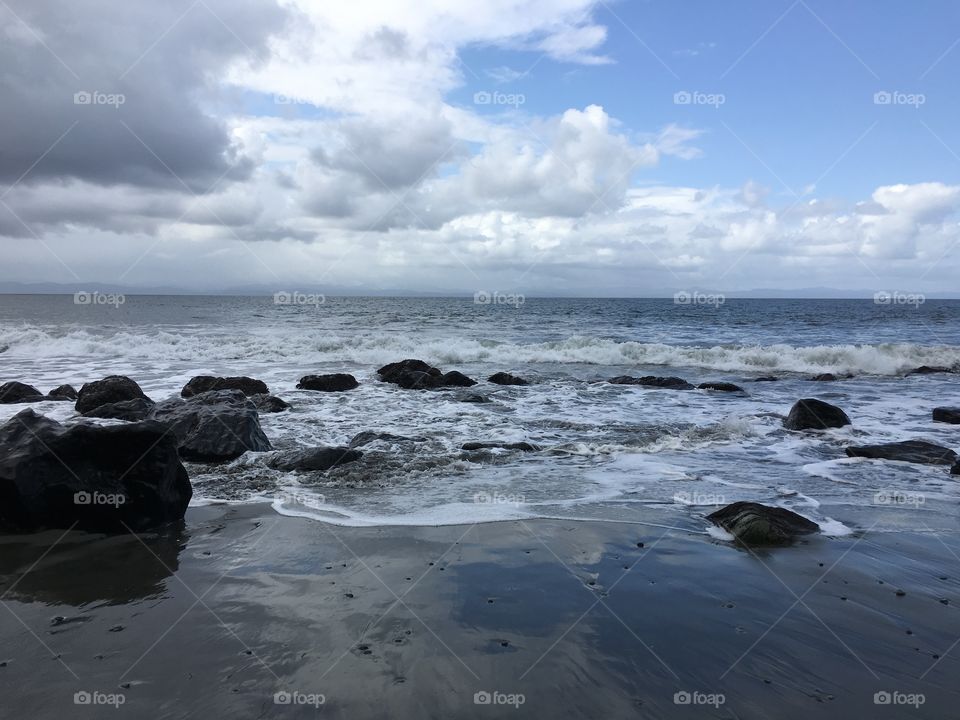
[{"x": 155, "y": 67}]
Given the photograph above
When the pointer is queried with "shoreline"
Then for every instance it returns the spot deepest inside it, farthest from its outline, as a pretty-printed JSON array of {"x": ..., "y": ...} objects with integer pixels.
[{"x": 242, "y": 603}]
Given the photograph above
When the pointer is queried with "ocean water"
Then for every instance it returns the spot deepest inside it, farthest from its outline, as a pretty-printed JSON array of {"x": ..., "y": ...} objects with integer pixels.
[{"x": 609, "y": 452}]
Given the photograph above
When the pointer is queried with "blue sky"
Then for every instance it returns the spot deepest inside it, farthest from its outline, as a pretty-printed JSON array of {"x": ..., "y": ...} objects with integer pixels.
[{"x": 798, "y": 91}]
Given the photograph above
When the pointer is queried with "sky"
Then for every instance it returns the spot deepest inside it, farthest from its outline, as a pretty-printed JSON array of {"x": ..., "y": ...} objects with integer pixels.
[{"x": 559, "y": 147}]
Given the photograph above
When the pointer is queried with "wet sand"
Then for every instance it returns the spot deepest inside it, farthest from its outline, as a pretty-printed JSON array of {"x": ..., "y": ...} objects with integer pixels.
[{"x": 551, "y": 618}]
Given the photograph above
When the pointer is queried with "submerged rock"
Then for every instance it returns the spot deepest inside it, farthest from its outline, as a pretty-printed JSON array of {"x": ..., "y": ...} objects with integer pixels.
[
  {"x": 671, "y": 383},
  {"x": 269, "y": 403},
  {"x": 767, "y": 378},
  {"x": 955, "y": 470},
  {"x": 112, "y": 389},
  {"x": 524, "y": 446},
  {"x": 92, "y": 477},
  {"x": 813, "y": 414},
  {"x": 18, "y": 392},
  {"x": 914, "y": 451},
  {"x": 824, "y": 377},
  {"x": 313, "y": 459},
  {"x": 334, "y": 382},
  {"x": 947, "y": 415},
  {"x": 474, "y": 398},
  {"x": 213, "y": 426},
  {"x": 503, "y": 378},
  {"x": 368, "y": 436},
  {"x": 130, "y": 410},
  {"x": 205, "y": 383},
  {"x": 63, "y": 392},
  {"x": 931, "y": 370},
  {"x": 755, "y": 524},
  {"x": 720, "y": 387}
]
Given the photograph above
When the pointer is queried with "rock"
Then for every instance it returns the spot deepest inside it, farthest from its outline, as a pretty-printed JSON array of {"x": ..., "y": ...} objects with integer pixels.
[
  {"x": 335, "y": 382},
  {"x": 671, "y": 383},
  {"x": 524, "y": 446},
  {"x": 389, "y": 373},
  {"x": 418, "y": 375},
  {"x": 955, "y": 470},
  {"x": 112, "y": 389},
  {"x": 269, "y": 403},
  {"x": 206, "y": 383},
  {"x": 96, "y": 478},
  {"x": 18, "y": 392},
  {"x": 767, "y": 378},
  {"x": 947, "y": 415},
  {"x": 755, "y": 524},
  {"x": 368, "y": 436},
  {"x": 720, "y": 387},
  {"x": 813, "y": 414},
  {"x": 63, "y": 392},
  {"x": 313, "y": 459},
  {"x": 474, "y": 398},
  {"x": 502, "y": 378},
  {"x": 457, "y": 379},
  {"x": 914, "y": 451},
  {"x": 824, "y": 377},
  {"x": 130, "y": 410},
  {"x": 213, "y": 426},
  {"x": 930, "y": 370}
]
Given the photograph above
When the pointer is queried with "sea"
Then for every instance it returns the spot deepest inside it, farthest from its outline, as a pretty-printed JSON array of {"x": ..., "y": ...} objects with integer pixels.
[{"x": 616, "y": 453}]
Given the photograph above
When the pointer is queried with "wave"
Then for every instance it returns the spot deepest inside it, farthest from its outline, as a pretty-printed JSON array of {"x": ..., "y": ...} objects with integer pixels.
[{"x": 373, "y": 349}]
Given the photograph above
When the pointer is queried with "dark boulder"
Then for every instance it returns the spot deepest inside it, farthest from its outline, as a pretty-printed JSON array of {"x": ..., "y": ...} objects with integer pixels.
[
  {"x": 389, "y": 372},
  {"x": 524, "y": 446},
  {"x": 824, "y": 377},
  {"x": 213, "y": 426},
  {"x": 18, "y": 392},
  {"x": 313, "y": 459},
  {"x": 955, "y": 470},
  {"x": 368, "y": 436},
  {"x": 112, "y": 389},
  {"x": 913, "y": 451},
  {"x": 129, "y": 410},
  {"x": 269, "y": 403},
  {"x": 670, "y": 383},
  {"x": 813, "y": 414},
  {"x": 63, "y": 392},
  {"x": 502, "y": 378},
  {"x": 455, "y": 378},
  {"x": 95, "y": 478},
  {"x": 931, "y": 370},
  {"x": 418, "y": 380},
  {"x": 947, "y": 415},
  {"x": 767, "y": 378},
  {"x": 205, "y": 383},
  {"x": 720, "y": 387},
  {"x": 335, "y": 382},
  {"x": 755, "y": 524}
]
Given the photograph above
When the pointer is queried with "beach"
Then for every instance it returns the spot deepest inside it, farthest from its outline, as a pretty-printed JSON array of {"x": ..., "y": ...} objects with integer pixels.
[{"x": 252, "y": 614}]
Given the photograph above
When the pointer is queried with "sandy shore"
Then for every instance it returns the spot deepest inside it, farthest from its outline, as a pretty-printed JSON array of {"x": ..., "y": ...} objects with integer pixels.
[{"x": 550, "y": 618}]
